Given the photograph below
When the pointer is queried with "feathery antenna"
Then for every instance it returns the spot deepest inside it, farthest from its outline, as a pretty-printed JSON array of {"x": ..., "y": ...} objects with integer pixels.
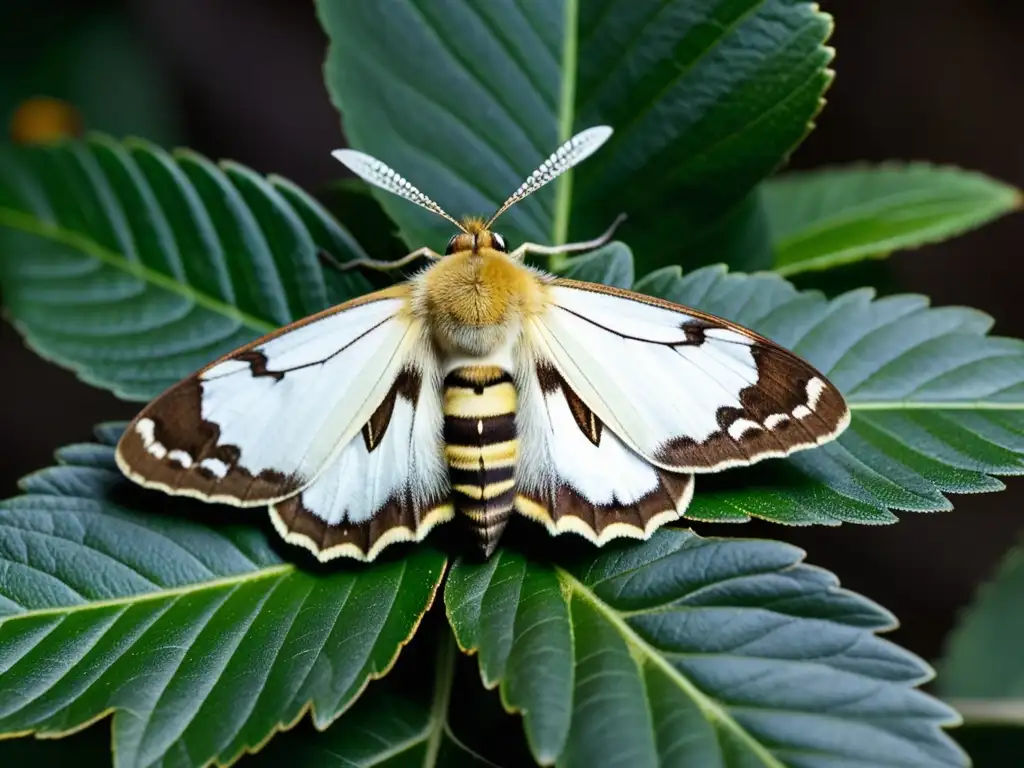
[
  {"x": 378, "y": 173},
  {"x": 575, "y": 150}
]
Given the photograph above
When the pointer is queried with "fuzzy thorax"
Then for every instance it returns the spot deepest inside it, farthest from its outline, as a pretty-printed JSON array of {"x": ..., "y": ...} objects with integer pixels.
[{"x": 473, "y": 301}]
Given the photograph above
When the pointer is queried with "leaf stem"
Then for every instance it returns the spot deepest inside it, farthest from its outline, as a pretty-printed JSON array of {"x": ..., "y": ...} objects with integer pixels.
[
  {"x": 989, "y": 711},
  {"x": 442, "y": 696},
  {"x": 566, "y": 119}
]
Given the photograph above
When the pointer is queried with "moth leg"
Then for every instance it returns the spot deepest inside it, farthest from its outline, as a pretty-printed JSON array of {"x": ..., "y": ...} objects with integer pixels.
[
  {"x": 379, "y": 265},
  {"x": 585, "y": 245}
]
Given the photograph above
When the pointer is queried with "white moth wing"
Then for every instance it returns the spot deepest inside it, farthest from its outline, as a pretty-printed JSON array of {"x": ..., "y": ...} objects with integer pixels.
[
  {"x": 266, "y": 421},
  {"x": 575, "y": 474},
  {"x": 687, "y": 391},
  {"x": 389, "y": 483}
]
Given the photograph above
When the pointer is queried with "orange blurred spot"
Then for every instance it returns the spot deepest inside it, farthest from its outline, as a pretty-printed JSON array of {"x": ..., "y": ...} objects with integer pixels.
[{"x": 43, "y": 119}]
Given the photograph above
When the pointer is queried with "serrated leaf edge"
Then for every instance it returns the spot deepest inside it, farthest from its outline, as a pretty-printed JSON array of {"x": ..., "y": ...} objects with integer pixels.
[
  {"x": 499, "y": 682},
  {"x": 639, "y": 647},
  {"x": 281, "y": 726},
  {"x": 1012, "y": 200}
]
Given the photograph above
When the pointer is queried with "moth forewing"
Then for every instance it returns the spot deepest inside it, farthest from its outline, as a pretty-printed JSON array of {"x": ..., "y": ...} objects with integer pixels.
[
  {"x": 261, "y": 423},
  {"x": 688, "y": 391}
]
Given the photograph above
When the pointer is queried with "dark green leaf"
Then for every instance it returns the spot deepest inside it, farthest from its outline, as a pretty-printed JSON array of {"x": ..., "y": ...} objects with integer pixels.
[
  {"x": 396, "y": 722},
  {"x": 466, "y": 99},
  {"x": 201, "y": 640},
  {"x": 983, "y": 671},
  {"x": 938, "y": 405},
  {"x": 392, "y": 725},
  {"x": 351, "y": 201},
  {"x": 825, "y": 218},
  {"x": 135, "y": 267},
  {"x": 610, "y": 265},
  {"x": 690, "y": 651},
  {"x": 740, "y": 239}
]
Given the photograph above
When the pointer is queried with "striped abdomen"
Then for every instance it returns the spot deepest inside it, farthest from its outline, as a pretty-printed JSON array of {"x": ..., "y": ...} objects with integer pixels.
[{"x": 481, "y": 447}]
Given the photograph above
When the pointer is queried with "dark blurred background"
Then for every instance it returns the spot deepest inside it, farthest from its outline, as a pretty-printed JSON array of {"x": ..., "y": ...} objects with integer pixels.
[{"x": 940, "y": 80}]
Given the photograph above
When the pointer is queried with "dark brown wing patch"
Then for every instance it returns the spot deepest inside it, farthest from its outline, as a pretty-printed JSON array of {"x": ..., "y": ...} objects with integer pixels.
[
  {"x": 400, "y": 519},
  {"x": 171, "y": 447},
  {"x": 407, "y": 386},
  {"x": 563, "y": 508},
  {"x": 585, "y": 419},
  {"x": 791, "y": 406},
  {"x": 551, "y": 380}
]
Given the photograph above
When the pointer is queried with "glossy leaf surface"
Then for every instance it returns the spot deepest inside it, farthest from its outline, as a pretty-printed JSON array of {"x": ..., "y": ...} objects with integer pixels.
[
  {"x": 821, "y": 219},
  {"x": 465, "y": 99},
  {"x": 135, "y": 267},
  {"x": 686, "y": 651},
  {"x": 201, "y": 640}
]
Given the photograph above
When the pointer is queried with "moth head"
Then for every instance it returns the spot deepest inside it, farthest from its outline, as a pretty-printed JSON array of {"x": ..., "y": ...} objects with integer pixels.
[
  {"x": 575, "y": 150},
  {"x": 474, "y": 236}
]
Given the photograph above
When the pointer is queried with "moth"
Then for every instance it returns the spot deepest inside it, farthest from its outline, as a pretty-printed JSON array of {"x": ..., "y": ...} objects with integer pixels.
[{"x": 480, "y": 387}]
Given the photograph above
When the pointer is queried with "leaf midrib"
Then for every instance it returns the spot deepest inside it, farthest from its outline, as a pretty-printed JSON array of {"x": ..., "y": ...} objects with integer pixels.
[
  {"x": 162, "y": 594},
  {"x": 933, "y": 405},
  {"x": 566, "y": 119},
  {"x": 710, "y": 708},
  {"x": 31, "y": 225}
]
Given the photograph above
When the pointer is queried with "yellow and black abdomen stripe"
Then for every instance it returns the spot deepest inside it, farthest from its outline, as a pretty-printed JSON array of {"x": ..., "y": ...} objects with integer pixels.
[{"x": 481, "y": 447}]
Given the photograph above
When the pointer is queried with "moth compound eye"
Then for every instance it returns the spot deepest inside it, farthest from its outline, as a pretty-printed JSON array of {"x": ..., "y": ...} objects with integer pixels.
[
  {"x": 498, "y": 242},
  {"x": 450, "y": 248}
]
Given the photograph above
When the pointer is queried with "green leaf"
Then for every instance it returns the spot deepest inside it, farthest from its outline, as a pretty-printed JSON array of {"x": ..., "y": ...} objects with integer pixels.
[
  {"x": 135, "y": 267},
  {"x": 938, "y": 405},
  {"x": 611, "y": 265},
  {"x": 352, "y": 202},
  {"x": 692, "y": 651},
  {"x": 201, "y": 640},
  {"x": 983, "y": 670},
  {"x": 465, "y": 99},
  {"x": 396, "y": 723},
  {"x": 825, "y": 218}
]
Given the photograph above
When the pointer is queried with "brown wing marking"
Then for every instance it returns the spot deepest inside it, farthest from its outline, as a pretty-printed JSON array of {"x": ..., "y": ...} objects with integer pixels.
[
  {"x": 171, "y": 447},
  {"x": 561, "y": 509},
  {"x": 790, "y": 407},
  {"x": 400, "y": 519}
]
